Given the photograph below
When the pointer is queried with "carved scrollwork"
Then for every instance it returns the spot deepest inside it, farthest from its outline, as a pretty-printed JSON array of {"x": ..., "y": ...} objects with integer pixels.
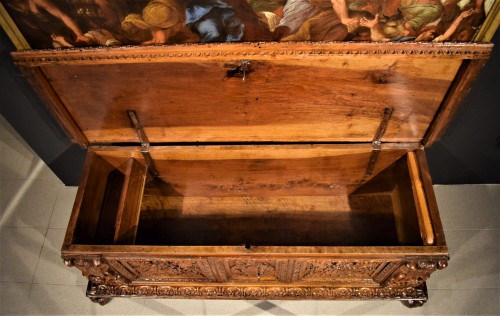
[
  {"x": 166, "y": 291},
  {"x": 414, "y": 273},
  {"x": 319, "y": 292},
  {"x": 328, "y": 270},
  {"x": 259, "y": 292},
  {"x": 171, "y": 269},
  {"x": 254, "y": 270},
  {"x": 276, "y": 292},
  {"x": 232, "y": 292},
  {"x": 188, "y": 291},
  {"x": 208, "y": 291},
  {"x": 97, "y": 270}
]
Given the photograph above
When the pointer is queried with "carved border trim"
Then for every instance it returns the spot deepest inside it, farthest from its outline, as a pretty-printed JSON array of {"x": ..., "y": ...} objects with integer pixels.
[
  {"x": 256, "y": 292},
  {"x": 238, "y": 51}
]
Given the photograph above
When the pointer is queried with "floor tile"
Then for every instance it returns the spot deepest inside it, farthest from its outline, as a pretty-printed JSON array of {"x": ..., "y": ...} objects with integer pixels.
[
  {"x": 361, "y": 308},
  {"x": 14, "y": 298},
  {"x": 63, "y": 207},
  {"x": 141, "y": 306},
  {"x": 495, "y": 195},
  {"x": 6, "y": 130},
  {"x": 460, "y": 205},
  {"x": 1, "y": 202},
  {"x": 20, "y": 249},
  {"x": 446, "y": 278},
  {"x": 459, "y": 302},
  {"x": 44, "y": 173},
  {"x": 50, "y": 268},
  {"x": 476, "y": 265},
  {"x": 474, "y": 261},
  {"x": 45, "y": 299},
  {"x": 246, "y": 307},
  {"x": 28, "y": 203},
  {"x": 17, "y": 159}
]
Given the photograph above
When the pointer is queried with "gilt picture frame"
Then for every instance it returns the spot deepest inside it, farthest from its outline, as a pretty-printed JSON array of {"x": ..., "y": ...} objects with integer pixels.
[{"x": 48, "y": 24}]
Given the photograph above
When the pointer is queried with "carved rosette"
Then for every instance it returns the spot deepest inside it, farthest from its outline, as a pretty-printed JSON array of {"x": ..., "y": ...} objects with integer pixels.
[{"x": 414, "y": 273}]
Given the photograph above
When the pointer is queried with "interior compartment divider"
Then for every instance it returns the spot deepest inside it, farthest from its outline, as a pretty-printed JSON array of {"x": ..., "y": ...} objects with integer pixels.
[
  {"x": 128, "y": 213},
  {"x": 423, "y": 215}
]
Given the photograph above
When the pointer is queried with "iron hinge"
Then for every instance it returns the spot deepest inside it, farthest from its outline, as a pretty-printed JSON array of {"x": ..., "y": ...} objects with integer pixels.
[
  {"x": 143, "y": 139},
  {"x": 377, "y": 141}
]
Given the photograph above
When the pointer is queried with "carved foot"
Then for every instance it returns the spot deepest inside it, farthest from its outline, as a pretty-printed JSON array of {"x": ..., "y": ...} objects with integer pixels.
[
  {"x": 101, "y": 300},
  {"x": 413, "y": 303}
]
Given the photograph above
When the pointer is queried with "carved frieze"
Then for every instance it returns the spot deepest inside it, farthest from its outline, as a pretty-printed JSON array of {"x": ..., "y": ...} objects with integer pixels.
[
  {"x": 250, "y": 270},
  {"x": 258, "y": 292},
  {"x": 183, "y": 269},
  {"x": 263, "y": 278},
  {"x": 328, "y": 270},
  {"x": 222, "y": 270}
]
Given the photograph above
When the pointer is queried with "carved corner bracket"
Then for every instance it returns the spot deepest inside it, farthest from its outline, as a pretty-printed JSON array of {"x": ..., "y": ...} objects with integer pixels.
[
  {"x": 102, "y": 271},
  {"x": 414, "y": 273}
]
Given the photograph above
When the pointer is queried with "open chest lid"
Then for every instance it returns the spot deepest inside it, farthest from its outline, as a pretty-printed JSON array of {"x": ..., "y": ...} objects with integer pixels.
[{"x": 256, "y": 92}]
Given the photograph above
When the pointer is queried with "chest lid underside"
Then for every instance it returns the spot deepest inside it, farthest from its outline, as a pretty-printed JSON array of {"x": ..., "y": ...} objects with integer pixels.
[{"x": 255, "y": 92}]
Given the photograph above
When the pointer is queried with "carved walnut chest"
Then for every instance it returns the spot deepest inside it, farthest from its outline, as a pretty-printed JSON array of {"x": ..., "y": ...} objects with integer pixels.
[
  {"x": 256, "y": 171},
  {"x": 286, "y": 164}
]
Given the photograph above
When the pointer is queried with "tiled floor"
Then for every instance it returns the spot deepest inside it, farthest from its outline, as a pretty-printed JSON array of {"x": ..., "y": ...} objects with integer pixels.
[{"x": 35, "y": 207}]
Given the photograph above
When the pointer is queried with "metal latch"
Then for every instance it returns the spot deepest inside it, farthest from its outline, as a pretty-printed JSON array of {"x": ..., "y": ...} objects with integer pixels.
[
  {"x": 144, "y": 143},
  {"x": 377, "y": 141},
  {"x": 239, "y": 71}
]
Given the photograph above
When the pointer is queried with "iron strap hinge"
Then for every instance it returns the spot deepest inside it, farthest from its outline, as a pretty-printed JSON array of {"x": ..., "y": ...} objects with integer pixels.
[
  {"x": 143, "y": 139},
  {"x": 377, "y": 141}
]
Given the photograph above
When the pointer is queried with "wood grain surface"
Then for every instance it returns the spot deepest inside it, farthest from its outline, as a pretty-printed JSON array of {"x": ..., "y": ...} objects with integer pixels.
[{"x": 333, "y": 92}]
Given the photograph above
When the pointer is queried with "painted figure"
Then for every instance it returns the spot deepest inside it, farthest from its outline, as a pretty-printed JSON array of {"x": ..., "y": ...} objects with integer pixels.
[
  {"x": 163, "y": 20},
  {"x": 295, "y": 13},
  {"x": 173, "y": 21},
  {"x": 68, "y": 23},
  {"x": 36, "y": 15}
]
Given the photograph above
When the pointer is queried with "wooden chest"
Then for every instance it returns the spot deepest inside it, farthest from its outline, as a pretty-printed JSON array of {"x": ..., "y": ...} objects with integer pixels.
[{"x": 256, "y": 170}]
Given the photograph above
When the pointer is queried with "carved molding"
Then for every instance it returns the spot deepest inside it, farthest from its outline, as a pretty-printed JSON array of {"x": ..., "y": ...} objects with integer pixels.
[
  {"x": 256, "y": 292},
  {"x": 239, "y": 51}
]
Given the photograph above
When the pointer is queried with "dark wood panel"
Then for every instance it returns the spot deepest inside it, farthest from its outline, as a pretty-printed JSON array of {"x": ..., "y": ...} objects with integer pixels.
[{"x": 339, "y": 229}]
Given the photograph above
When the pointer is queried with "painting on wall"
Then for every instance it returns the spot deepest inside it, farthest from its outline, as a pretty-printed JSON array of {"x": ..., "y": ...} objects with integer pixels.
[{"x": 83, "y": 23}]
